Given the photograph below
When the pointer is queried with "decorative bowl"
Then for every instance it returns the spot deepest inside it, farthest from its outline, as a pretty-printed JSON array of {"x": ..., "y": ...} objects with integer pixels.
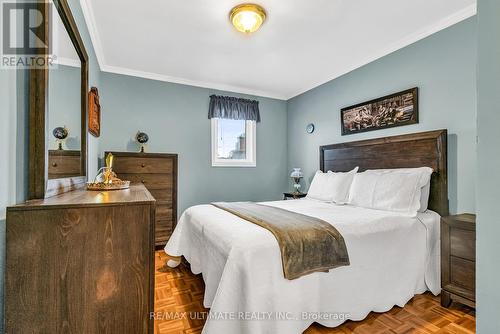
[{"x": 116, "y": 185}]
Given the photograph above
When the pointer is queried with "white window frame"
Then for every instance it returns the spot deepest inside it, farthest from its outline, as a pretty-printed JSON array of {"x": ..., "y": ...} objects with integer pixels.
[{"x": 251, "y": 147}]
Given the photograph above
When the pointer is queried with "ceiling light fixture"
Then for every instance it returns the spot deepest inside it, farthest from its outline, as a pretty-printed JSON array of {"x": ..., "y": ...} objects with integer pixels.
[{"x": 247, "y": 17}]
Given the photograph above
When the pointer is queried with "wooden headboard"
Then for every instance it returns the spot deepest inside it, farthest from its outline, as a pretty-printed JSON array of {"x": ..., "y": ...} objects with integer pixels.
[{"x": 425, "y": 149}]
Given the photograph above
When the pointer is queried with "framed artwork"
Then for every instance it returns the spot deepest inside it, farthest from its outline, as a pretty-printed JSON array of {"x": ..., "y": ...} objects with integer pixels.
[
  {"x": 385, "y": 112},
  {"x": 94, "y": 121}
]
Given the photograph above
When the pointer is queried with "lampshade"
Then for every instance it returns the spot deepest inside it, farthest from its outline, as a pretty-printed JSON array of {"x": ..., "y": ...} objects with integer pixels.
[
  {"x": 247, "y": 18},
  {"x": 297, "y": 173}
]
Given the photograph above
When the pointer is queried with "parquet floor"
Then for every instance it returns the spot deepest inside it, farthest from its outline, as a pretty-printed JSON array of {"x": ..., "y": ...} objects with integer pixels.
[{"x": 178, "y": 292}]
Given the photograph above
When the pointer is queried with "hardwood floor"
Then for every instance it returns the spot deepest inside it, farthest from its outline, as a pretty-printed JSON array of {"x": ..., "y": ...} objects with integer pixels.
[{"x": 178, "y": 292}]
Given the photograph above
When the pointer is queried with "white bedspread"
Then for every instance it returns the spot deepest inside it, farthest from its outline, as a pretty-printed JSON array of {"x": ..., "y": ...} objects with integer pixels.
[{"x": 392, "y": 258}]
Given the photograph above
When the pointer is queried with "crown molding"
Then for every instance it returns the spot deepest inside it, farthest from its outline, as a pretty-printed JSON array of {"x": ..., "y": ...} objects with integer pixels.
[
  {"x": 88, "y": 15},
  {"x": 195, "y": 83},
  {"x": 444, "y": 23}
]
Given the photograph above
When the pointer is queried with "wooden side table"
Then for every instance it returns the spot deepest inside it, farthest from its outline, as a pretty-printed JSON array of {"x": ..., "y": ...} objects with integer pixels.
[
  {"x": 294, "y": 195},
  {"x": 458, "y": 259}
]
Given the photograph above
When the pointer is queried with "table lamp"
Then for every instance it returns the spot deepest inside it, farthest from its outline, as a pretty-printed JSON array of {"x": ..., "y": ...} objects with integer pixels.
[{"x": 296, "y": 175}]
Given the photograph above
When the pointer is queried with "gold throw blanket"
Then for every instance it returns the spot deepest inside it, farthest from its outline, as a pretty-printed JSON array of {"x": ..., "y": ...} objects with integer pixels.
[{"x": 307, "y": 244}]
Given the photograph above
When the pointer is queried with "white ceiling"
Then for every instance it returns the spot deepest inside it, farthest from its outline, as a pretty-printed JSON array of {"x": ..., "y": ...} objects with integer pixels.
[{"x": 302, "y": 44}]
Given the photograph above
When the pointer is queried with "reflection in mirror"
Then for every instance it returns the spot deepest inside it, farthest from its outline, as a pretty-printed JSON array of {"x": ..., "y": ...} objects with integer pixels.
[{"x": 64, "y": 106}]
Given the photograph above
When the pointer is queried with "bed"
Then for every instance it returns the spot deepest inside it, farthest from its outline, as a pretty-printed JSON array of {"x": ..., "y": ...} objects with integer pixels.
[{"x": 392, "y": 256}]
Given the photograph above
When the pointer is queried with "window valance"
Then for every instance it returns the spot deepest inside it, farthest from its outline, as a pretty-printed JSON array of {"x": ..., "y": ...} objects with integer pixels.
[{"x": 233, "y": 108}]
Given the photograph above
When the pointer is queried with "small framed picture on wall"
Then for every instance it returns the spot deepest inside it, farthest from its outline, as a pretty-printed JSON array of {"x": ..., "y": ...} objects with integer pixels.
[{"x": 94, "y": 119}]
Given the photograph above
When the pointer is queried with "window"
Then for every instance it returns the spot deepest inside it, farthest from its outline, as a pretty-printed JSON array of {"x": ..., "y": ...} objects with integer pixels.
[{"x": 233, "y": 143}]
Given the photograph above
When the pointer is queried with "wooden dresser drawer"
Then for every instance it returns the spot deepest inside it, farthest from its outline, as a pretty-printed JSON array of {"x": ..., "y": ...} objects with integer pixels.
[
  {"x": 458, "y": 259},
  {"x": 142, "y": 165},
  {"x": 463, "y": 243},
  {"x": 158, "y": 172},
  {"x": 64, "y": 163},
  {"x": 163, "y": 230},
  {"x": 162, "y": 195},
  {"x": 462, "y": 273},
  {"x": 163, "y": 212},
  {"x": 151, "y": 181}
]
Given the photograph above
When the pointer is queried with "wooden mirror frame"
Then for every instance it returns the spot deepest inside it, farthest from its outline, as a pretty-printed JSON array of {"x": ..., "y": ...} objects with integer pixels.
[{"x": 39, "y": 184}]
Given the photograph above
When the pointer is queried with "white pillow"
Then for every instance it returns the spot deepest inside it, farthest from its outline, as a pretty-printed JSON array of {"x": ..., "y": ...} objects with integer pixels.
[
  {"x": 397, "y": 190},
  {"x": 317, "y": 189},
  {"x": 339, "y": 184},
  {"x": 425, "y": 190},
  {"x": 331, "y": 187}
]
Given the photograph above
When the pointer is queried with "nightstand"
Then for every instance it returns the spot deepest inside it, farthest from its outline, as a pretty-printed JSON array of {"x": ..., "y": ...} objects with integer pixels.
[
  {"x": 458, "y": 259},
  {"x": 294, "y": 195}
]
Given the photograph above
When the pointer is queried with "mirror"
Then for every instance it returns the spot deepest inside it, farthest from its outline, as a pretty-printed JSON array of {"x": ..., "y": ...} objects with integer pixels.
[
  {"x": 64, "y": 106},
  {"x": 58, "y": 101}
]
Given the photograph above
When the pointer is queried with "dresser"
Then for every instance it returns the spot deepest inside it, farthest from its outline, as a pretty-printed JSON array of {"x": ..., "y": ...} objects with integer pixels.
[
  {"x": 81, "y": 262},
  {"x": 64, "y": 163},
  {"x": 158, "y": 172},
  {"x": 458, "y": 259}
]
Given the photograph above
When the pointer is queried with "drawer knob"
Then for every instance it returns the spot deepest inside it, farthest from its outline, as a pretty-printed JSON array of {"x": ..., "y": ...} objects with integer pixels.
[
  {"x": 143, "y": 165},
  {"x": 143, "y": 181},
  {"x": 54, "y": 164}
]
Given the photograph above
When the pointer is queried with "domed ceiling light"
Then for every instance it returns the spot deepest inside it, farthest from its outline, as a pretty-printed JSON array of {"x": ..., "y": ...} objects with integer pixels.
[{"x": 247, "y": 17}]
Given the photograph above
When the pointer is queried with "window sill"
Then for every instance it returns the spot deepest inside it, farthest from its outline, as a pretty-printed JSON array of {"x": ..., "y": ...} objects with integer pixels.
[{"x": 234, "y": 164}]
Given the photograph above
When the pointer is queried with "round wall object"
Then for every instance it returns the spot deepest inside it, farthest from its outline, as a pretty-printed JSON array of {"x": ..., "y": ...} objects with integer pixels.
[{"x": 310, "y": 128}]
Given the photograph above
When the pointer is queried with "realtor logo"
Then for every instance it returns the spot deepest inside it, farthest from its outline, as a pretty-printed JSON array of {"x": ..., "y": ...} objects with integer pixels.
[{"x": 23, "y": 43}]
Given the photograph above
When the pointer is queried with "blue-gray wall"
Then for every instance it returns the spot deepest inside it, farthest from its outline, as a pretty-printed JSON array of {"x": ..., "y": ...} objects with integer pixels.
[
  {"x": 64, "y": 105},
  {"x": 175, "y": 118},
  {"x": 488, "y": 167},
  {"x": 14, "y": 142},
  {"x": 443, "y": 66}
]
